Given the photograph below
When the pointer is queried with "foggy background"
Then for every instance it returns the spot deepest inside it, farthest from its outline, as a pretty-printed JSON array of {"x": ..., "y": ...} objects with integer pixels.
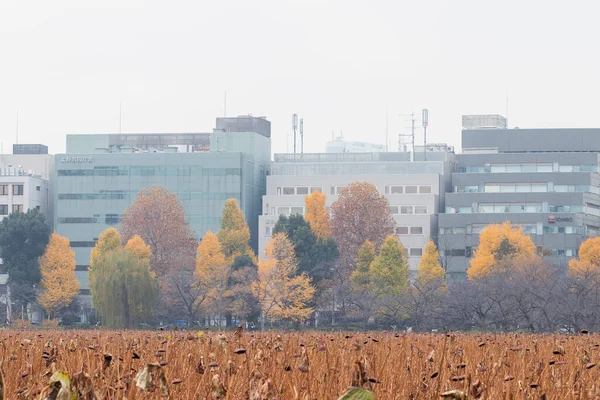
[{"x": 340, "y": 64}]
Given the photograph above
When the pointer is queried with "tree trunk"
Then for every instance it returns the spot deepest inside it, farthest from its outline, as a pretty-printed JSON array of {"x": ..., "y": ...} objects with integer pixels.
[{"x": 125, "y": 301}]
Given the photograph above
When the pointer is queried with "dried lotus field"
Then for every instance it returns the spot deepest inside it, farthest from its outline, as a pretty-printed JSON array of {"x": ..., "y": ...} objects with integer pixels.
[{"x": 196, "y": 365}]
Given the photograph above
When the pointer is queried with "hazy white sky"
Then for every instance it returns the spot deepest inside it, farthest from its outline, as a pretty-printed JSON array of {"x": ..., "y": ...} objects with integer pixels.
[{"x": 340, "y": 64}]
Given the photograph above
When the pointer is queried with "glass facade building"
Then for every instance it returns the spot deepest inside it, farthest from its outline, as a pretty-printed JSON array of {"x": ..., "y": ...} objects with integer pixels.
[{"x": 93, "y": 189}]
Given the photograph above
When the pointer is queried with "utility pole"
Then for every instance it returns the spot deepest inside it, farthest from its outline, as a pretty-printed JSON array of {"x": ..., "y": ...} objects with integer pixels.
[{"x": 294, "y": 128}]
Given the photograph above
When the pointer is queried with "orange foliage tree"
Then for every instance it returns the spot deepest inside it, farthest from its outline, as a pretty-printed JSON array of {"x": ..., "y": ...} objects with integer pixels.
[
  {"x": 589, "y": 259},
  {"x": 500, "y": 246},
  {"x": 317, "y": 215},
  {"x": 429, "y": 269},
  {"x": 361, "y": 213},
  {"x": 281, "y": 293},
  {"x": 59, "y": 284},
  {"x": 234, "y": 234}
]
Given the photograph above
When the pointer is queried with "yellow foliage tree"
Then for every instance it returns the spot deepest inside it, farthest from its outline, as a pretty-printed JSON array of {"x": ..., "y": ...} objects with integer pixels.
[
  {"x": 430, "y": 269},
  {"x": 59, "y": 284},
  {"x": 499, "y": 246},
  {"x": 281, "y": 293},
  {"x": 589, "y": 259},
  {"x": 317, "y": 215},
  {"x": 108, "y": 241},
  {"x": 139, "y": 248},
  {"x": 212, "y": 274},
  {"x": 234, "y": 234}
]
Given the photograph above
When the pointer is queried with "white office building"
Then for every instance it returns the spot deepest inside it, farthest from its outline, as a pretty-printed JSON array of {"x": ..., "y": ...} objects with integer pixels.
[
  {"x": 415, "y": 189},
  {"x": 340, "y": 145}
]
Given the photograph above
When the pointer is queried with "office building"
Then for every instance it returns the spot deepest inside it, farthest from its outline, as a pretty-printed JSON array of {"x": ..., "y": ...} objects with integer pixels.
[
  {"x": 100, "y": 176},
  {"x": 340, "y": 145},
  {"x": 415, "y": 189},
  {"x": 26, "y": 181},
  {"x": 543, "y": 180}
]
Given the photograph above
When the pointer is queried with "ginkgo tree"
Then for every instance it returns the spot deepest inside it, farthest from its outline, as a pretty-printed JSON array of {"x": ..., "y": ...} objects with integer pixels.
[
  {"x": 500, "y": 247},
  {"x": 59, "y": 283},
  {"x": 429, "y": 269},
  {"x": 589, "y": 258},
  {"x": 212, "y": 274},
  {"x": 234, "y": 235},
  {"x": 317, "y": 215},
  {"x": 281, "y": 293}
]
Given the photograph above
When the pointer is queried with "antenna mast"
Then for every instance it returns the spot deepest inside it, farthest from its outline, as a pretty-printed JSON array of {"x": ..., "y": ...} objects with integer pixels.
[
  {"x": 425, "y": 121},
  {"x": 301, "y": 135},
  {"x": 411, "y": 134},
  {"x": 294, "y": 128}
]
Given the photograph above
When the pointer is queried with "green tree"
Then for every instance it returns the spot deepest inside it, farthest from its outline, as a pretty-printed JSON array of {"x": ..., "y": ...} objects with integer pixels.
[
  {"x": 365, "y": 293},
  {"x": 314, "y": 256},
  {"x": 429, "y": 266},
  {"x": 59, "y": 283},
  {"x": 389, "y": 270},
  {"x": 108, "y": 241},
  {"x": 127, "y": 288},
  {"x": 366, "y": 255},
  {"x": 234, "y": 234},
  {"x": 23, "y": 239}
]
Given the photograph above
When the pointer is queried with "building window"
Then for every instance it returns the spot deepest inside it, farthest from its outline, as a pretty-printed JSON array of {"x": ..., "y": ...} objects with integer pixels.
[
  {"x": 37, "y": 208},
  {"x": 38, "y": 188},
  {"x": 283, "y": 210},
  {"x": 416, "y": 230},
  {"x": 420, "y": 209},
  {"x": 83, "y": 244},
  {"x": 339, "y": 189},
  {"x": 18, "y": 190},
  {"x": 410, "y": 189},
  {"x": 406, "y": 209},
  {"x": 416, "y": 252},
  {"x": 424, "y": 189},
  {"x": 396, "y": 189},
  {"x": 112, "y": 219},
  {"x": 302, "y": 190},
  {"x": 402, "y": 230},
  {"x": 394, "y": 210},
  {"x": 468, "y": 251},
  {"x": 17, "y": 208},
  {"x": 268, "y": 231},
  {"x": 3, "y": 190},
  {"x": 298, "y": 210},
  {"x": 278, "y": 191},
  {"x": 3, "y": 209},
  {"x": 316, "y": 189},
  {"x": 76, "y": 220},
  {"x": 289, "y": 190}
]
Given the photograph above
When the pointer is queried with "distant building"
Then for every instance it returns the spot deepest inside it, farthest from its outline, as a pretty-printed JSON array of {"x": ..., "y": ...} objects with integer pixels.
[
  {"x": 100, "y": 175},
  {"x": 30, "y": 149},
  {"x": 340, "y": 145},
  {"x": 545, "y": 181},
  {"x": 26, "y": 183},
  {"x": 415, "y": 189}
]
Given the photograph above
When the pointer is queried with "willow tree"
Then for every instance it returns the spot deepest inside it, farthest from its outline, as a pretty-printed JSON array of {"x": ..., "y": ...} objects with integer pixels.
[
  {"x": 108, "y": 241},
  {"x": 128, "y": 289}
]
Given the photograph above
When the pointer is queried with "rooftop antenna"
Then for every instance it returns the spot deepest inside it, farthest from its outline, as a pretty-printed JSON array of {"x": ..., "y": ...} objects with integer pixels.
[
  {"x": 386, "y": 130},
  {"x": 411, "y": 134},
  {"x": 294, "y": 128},
  {"x": 425, "y": 121},
  {"x": 301, "y": 135},
  {"x": 17, "y": 126}
]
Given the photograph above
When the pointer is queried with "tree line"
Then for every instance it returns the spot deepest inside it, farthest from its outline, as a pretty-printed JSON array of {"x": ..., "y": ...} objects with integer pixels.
[{"x": 341, "y": 267}]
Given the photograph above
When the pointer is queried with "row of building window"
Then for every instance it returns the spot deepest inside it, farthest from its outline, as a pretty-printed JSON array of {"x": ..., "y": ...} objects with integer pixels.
[
  {"x": 470, "y": 252},
  {"x": 402, "y": 210},
  {"x": 408, "y": 189},
  {"x": 17, "y": 190},
  {"x": 109, "y": 219},
  {"x": 293, "y": 190},
  {"x": 150, "y": 171},
  {"x": 526, "y": 188},
  {"x": 409, "y": 230},
  {"x": 529, "y": 167},
  {"x": 528, "y": 229},
  {"x": 517, "y": 208},
  {"x": 15, "y": 208},
  {"x": 122, "y": 195}
]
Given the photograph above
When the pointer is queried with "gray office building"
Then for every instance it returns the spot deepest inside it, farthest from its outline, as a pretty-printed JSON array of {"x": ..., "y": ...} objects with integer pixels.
[
  {"x": 543, "y": 180},
  {"x": 101, "y": 174}
]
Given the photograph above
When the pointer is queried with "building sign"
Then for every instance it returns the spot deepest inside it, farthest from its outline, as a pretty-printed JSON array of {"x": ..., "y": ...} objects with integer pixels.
[
  {"x": 552, "y": 219},
  {"x": 78, "y": 160}
]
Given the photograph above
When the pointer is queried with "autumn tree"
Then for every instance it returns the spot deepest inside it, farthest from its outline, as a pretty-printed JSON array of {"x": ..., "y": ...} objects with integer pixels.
[
  {"x": 499, "y": 247},
  {"x": 281, "y": 293},
  {"x": 157, "y": 216},
  {"x": 212, "y": 274},
  {"x": 317, "y": 215},
  {"x": 108, "y": 241},
  {"x": 389, "y": 270},
  {"x": 242, "y": 302},
  {"x": 23, "y": 239},
  {"x": 59, "y": 284},
  {"x": 128, "y": 289},
  {"x": 365, "y": 294},
  {"x": 360, "y": 213},
  {"x": 234, "y": 234},
  {"x": 589, "y": 258},
  {"x": 429, "y": 269},
  {"x": 139, "y": 248}
]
